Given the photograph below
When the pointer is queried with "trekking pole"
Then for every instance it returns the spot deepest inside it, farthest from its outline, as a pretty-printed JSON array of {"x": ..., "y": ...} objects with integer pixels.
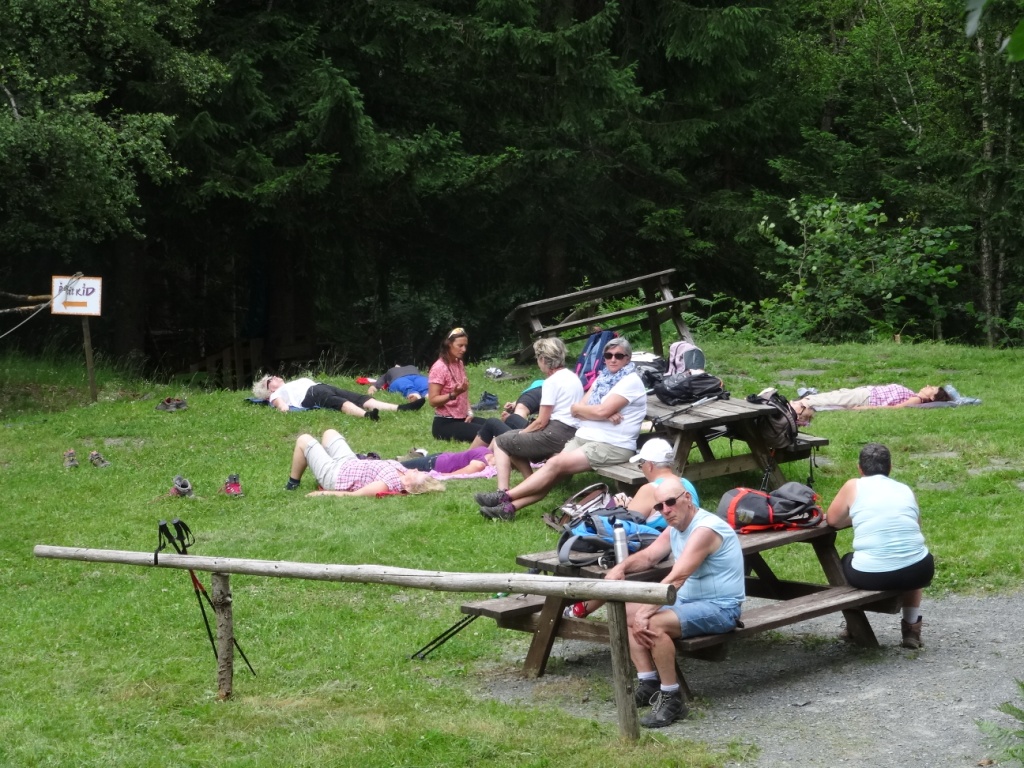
[
  {"x": 181, "y": 540},
  {"x": 689, "y": 406}
]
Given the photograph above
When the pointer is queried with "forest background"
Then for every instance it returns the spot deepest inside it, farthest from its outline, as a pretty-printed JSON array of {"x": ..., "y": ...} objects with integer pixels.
[{"x": 371, "y": 173}]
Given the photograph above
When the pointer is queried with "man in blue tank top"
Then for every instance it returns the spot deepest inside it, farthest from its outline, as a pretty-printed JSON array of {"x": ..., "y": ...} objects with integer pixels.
[{"x": 708, "y": 574}]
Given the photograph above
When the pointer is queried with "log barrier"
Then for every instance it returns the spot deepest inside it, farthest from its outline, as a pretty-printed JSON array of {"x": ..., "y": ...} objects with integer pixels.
[{"x": 617, "y": 593}]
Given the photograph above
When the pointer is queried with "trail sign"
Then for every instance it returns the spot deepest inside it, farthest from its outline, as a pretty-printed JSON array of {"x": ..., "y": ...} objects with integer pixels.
[{"x": 76, "y": 295}]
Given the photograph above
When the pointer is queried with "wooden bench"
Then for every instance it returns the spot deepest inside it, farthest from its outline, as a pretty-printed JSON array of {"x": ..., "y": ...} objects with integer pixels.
[
  {"x": 629, "y": 474},
  {"x": 785, "y": 612},
  {"x": 537, "y": 319},
  {"x": 522, "y": 613}
]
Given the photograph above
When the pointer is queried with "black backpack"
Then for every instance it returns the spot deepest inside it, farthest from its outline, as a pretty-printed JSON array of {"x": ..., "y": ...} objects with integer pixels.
[
  {"x": 683, "y": 388},
  {"x": 779, "y": 428},
  {"x": 792, "y": 505}
]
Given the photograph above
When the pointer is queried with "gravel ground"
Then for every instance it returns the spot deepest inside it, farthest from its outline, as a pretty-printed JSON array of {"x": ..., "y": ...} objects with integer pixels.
[{"x": 803, "y": 697}]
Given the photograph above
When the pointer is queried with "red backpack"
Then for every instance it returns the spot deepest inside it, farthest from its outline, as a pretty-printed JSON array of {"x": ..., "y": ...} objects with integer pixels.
[{"x": 793, "y": 505}]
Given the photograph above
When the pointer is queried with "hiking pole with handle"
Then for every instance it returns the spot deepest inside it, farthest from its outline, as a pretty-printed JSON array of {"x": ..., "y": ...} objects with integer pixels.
[
  {"x": 181, "y": 540},
  {"x": 658, "y": 421}
]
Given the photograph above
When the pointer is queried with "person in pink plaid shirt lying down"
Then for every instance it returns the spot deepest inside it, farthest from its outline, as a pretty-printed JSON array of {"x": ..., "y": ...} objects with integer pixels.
[
  {"x": 341, "y": 473},
  {"x": 860, "y": 398}
]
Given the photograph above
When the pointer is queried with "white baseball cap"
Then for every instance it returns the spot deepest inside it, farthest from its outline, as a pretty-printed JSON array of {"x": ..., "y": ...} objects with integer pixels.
[{"x": 657, "y": 450}]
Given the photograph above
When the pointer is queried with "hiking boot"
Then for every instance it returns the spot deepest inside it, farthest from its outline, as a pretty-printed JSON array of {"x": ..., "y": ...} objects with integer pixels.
[
  {"x": 911, "y": 634},
  {"x": 372, "y": 415},
  {"x": 69, "y": 459},
  {"x": 491, "y": 498},
  {"x": 232, "y": 487},
  {"x": 666, "y": 708},
  {"x": 181, "y": 487},
  {"x": 97, "y": 460},
  {"x": 291, "y": 485},
  {"x": 488, "y": 402},
  {"x": 504, "y": 512},
  {"x": 645, "y": 691}
]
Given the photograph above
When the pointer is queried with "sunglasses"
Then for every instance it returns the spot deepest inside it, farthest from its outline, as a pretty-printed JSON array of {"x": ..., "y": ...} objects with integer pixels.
[
  {"x": 616, "y": 355},
  {"x": 660, "y": 506},
  {"x": 457, "y": 332}
]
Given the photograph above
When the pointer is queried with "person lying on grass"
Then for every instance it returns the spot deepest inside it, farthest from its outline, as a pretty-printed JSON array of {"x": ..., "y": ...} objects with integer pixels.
[
  {"x": 467, "y": 462},
  {"x": 405, "y": 380},
  {"x": 862, "y": 398},
  {"x": 306, "y": 393},
  {"x": 341, "y": 473}
]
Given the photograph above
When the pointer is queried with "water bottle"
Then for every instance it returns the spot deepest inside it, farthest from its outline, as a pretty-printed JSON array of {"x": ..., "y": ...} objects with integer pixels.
[{"x": 621, "y": 547}]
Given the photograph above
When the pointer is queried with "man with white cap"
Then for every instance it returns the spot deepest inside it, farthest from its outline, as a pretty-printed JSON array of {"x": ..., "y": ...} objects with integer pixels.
[{"x": 657, "y": 460}]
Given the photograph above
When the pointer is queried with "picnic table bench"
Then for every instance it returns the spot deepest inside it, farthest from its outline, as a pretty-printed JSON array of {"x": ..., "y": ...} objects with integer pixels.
[
  {"x": 793, "y": 601},
  {"x": 536, "y": 319}
]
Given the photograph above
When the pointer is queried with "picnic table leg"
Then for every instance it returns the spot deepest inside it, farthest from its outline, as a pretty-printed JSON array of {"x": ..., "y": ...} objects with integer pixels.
[
  {"x": 544, "y": 637},
  {"x": 857, "y": 623},
  {"x": 622, "y": 678},
  {"x": 761, "y": 452}
]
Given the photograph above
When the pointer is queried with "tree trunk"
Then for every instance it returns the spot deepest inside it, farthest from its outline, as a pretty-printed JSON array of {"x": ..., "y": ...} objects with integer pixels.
[{"x": 988, "y": 277}]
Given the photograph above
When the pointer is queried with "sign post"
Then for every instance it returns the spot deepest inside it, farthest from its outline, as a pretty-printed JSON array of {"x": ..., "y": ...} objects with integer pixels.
[{"x": 77, "y": 295}]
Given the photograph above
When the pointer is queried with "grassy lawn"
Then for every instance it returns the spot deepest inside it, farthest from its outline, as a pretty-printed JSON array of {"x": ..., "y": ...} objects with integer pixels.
[{"x": 109, "y": 665}]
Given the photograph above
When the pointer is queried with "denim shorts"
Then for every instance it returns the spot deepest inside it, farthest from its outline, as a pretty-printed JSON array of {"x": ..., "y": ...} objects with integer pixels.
[{"x": 704, "y": 617}]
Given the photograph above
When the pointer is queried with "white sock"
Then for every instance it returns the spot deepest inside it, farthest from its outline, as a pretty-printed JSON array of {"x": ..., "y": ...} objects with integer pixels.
[
  {"x": 646, "y": 675},
  {"x": 669, "y": 688},
  {"x": 912, "y": 615}
]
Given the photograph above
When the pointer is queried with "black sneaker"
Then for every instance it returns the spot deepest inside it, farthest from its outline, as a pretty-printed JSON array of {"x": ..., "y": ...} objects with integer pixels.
[
  {"x": 291, "y": 485},
  {"x": 666, "y": 708},
  {"x": 504, "y": 512},
  {"x": 645, "y": 690}
]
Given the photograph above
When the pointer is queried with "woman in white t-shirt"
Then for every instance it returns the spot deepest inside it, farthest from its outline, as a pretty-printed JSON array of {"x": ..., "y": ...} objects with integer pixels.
[
  {"x": 610, "y": 416},
  {"x": 554, "y": 426}
]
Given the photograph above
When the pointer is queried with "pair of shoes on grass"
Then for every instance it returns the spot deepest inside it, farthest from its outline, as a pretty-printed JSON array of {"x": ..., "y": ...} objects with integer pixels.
[
  {"x": 172, "y": 404},
  {"x": 95, "y": 458}
]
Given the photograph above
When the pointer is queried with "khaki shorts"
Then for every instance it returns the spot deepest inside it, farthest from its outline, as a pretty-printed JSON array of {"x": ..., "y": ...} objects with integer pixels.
[
  {"x": 600, "y": 454},
  {"x": 325, "y": 461}
]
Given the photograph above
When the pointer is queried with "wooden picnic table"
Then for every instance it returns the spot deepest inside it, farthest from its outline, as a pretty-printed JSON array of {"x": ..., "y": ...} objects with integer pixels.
[
  {"x": 793, "y": 601},
  {"x": 657, "y": 304},
  {"x": 691, "y": 427}
]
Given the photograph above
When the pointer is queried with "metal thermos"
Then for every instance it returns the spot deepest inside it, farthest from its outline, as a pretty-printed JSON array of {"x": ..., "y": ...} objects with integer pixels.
[{"x": 621, "y": 547}]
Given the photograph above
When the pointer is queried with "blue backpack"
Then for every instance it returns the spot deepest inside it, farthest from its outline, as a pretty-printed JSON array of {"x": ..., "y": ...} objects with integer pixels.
[
  {"x": 590, "y": 540},
  {"x": 591, "y": 360}
]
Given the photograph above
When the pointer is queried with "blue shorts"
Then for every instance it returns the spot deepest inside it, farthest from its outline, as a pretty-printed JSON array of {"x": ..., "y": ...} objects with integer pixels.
[
  {"x": 412, "y": 383},
  {"x": 703, "y": 617}
]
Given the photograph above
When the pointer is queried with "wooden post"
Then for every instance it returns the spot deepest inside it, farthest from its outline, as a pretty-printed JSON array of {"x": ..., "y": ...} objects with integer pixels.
[
  {"x": 622, "y": 679},
  {"x": 87, "y": 343},
  {"x": 225, "y": 635}
]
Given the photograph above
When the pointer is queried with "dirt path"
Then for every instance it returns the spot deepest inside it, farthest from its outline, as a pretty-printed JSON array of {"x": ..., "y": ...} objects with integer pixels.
[{"x": 805, "y": 698}]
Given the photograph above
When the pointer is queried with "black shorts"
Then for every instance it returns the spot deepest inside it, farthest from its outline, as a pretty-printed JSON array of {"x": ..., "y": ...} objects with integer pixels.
[
  {"x": 916, "y": 576},
  {"x": 329, "y": 396}
]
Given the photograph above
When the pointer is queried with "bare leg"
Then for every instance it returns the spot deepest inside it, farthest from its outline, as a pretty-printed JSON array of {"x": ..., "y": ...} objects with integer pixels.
[
  {"x": 379, "y": 405},
  {"x": 536, "y": 486},
  {"x": 662, "y": 657},
  {"x": 523, "y": 465},
  {"x": 299, "y": 455},
  {"x": 912, "y": 598},
  {"x": 477, "y": 442},
  {"x": 352, "y": 409},
  {"x": 503, "y": 464}
]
